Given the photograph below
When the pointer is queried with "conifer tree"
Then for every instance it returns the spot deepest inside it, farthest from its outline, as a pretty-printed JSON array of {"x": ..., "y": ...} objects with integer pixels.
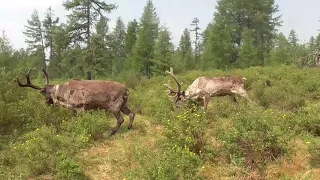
[{"x": 143, "y": 51}]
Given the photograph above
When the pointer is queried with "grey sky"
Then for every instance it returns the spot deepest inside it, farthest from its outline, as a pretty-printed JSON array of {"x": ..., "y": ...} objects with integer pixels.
[{"x": 299, "y": 15}]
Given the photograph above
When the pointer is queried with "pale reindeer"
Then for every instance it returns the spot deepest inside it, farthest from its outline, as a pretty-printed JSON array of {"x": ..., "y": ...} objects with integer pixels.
[
  {"x": 203, "y": 88},
  {"x": 81, "y": 95}
]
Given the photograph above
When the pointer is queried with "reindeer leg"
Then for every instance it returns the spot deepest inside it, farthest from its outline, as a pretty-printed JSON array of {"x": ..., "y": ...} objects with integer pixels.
[
  {"x": 119, "y": 122},
  {"x": 233, "y": 98},
  {"x": 129, "y": 113},
  {"x": 206, "y": 100},
  {"x": 243, "y": 94}
]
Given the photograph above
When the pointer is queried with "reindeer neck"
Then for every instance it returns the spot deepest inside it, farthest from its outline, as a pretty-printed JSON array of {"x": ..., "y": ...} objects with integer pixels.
[{"x": 52, "y": 89}]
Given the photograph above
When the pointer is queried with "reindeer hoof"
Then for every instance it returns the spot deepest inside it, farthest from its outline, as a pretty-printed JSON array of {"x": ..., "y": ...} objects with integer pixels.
[{"x": 111, "y": 134}]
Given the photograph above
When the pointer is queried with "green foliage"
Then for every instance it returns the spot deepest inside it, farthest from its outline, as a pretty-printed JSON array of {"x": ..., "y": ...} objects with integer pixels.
[
  {"x": 87, "y": 126},
  {"x": 282, "y": 94},
  {"x": 6, "y": 50},
  {"x": 131, "y": 36},
  {"x": 172, "y": 163},
  {"x": 141, "y": 100},
  {"x": 61, "y": 41},
  {"x": 185, "y": 51},
  {"x": 163, "y": 52},
  {"x": 143, "y": 50},
  {"x": 37, "y": 150},
  {"x": 68, "y": 168},
  {"x": 231, "y": 21},
  {"x": 84, "y": 16},
  {"x": 117, "y": 46},
  {"x": 37, "y": 139},
  {"x": 188, "y": 130},
  {"x": 253, "y": 139},
  {"x": 35, "y": 37},
  {"x": 307, "y": 119},
  {"x": 293, "y": 38},
  {"x": 196, "y": 29},
  {"x": 49, "y": 25},
  {"x": 248, "y": 54},
  {"x": 280, "y": 54},
  {"x": 219, "y": 49}
]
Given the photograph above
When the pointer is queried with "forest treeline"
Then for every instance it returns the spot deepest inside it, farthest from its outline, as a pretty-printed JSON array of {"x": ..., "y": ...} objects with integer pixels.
[{"x": 242, "y": 34}]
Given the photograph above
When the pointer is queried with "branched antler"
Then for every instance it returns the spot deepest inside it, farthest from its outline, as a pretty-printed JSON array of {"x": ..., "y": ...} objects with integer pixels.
[
  {"x": 170, "y": 89},
  {"x": 175, "y": 79},
  {"x": 28, "y": 84}
]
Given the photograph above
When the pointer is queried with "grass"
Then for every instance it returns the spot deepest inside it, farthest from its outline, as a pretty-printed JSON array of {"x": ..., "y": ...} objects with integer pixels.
[
  {"x": 113, "y": 157},
  {"x": 275, "y": 138}
]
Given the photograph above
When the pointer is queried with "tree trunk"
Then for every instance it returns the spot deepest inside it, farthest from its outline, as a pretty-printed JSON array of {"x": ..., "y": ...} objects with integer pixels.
[{"x": 89, "y": 75}]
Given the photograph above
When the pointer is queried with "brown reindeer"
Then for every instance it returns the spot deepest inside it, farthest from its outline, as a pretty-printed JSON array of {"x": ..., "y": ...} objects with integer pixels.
[
  {"x": 203, "y": 88},
  {"x": 81, "y": 95}
]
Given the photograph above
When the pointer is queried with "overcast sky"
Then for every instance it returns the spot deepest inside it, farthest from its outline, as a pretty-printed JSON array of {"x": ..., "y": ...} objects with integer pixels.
[{"x": 300, "y": 15}]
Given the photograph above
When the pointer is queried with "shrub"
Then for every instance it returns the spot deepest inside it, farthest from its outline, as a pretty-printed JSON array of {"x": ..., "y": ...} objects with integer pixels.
[
  {"x": 253, "y": 139},
  {"x": 38, "y": 149},
  {"x": 68, "y": 169},
  {"x": 188, "y": 130},
  {"x": 314, "y": 149},
  {"x": 87, "y": 125},
  {"x": 172, "y": 163},
  {"x": 282, "y": 95},
  {"x": 307, "y": 119}
]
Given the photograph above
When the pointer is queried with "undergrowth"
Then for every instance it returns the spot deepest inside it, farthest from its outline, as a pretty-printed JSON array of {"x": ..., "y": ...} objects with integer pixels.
[{"x": 37, "y": 139}]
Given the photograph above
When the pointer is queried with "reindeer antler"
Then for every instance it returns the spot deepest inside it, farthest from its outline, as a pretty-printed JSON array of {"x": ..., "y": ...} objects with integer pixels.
[
  {"x": 46, "y": 75},
  {"x": 171, "y": 90},
  {"x": 28, "y": 84}
]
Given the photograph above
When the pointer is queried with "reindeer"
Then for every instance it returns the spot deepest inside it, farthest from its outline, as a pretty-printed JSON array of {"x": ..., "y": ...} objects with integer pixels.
[
  {"x": 203, "y": 88},
  {"x": 81, "y": 95}
]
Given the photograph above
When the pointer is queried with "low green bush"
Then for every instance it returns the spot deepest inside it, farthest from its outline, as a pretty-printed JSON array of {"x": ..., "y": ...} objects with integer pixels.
[
  {"x": 306, "y": 119},
  {"x": 171, "y": 163},
  {"x": 253, "y": 139},
  {"x": 188, "y": 129},
  {"x": 68, "y": 169},
  {"x": 91, "y": 124},
  {"x": 37, "y": 150}
]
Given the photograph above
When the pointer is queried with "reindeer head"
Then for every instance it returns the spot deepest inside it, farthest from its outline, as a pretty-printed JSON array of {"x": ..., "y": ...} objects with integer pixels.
[
  {"x": 176, "y": 96},
  {"x": 47, "y": 91}
]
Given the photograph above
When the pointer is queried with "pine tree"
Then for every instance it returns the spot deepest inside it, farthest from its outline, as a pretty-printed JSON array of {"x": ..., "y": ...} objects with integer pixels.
[
  {"x": 118, "y": 46},
  {"x": 49, "y": 24},
  {"x": 163, "y": 53},
  {"x": 248, "y": 52},
  {"x": 204, "y": 40},
  {"x": 293, "y": 38},
  {"x": 219, "y": 50},
  {"x": 131, "y": 36},
  {"x": 102, "y": 29},
  {"x": 85, "y": 14},
  {"x": 312, "y": 44},
  {"x": 61, "y": 41},
  {"x": 100, "y": 47},
  {"x": 34, "y": 37},
  {"x": 280, "y": 54},
  {"x": 5, "y": 45},
  {"x": 196, "y": 29},
  {"x": 143, "y": 50},
  {"x": 185, "y": 49},
  {"x": 6, "y": 51},
  {"x": 231, "y": 20}
]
